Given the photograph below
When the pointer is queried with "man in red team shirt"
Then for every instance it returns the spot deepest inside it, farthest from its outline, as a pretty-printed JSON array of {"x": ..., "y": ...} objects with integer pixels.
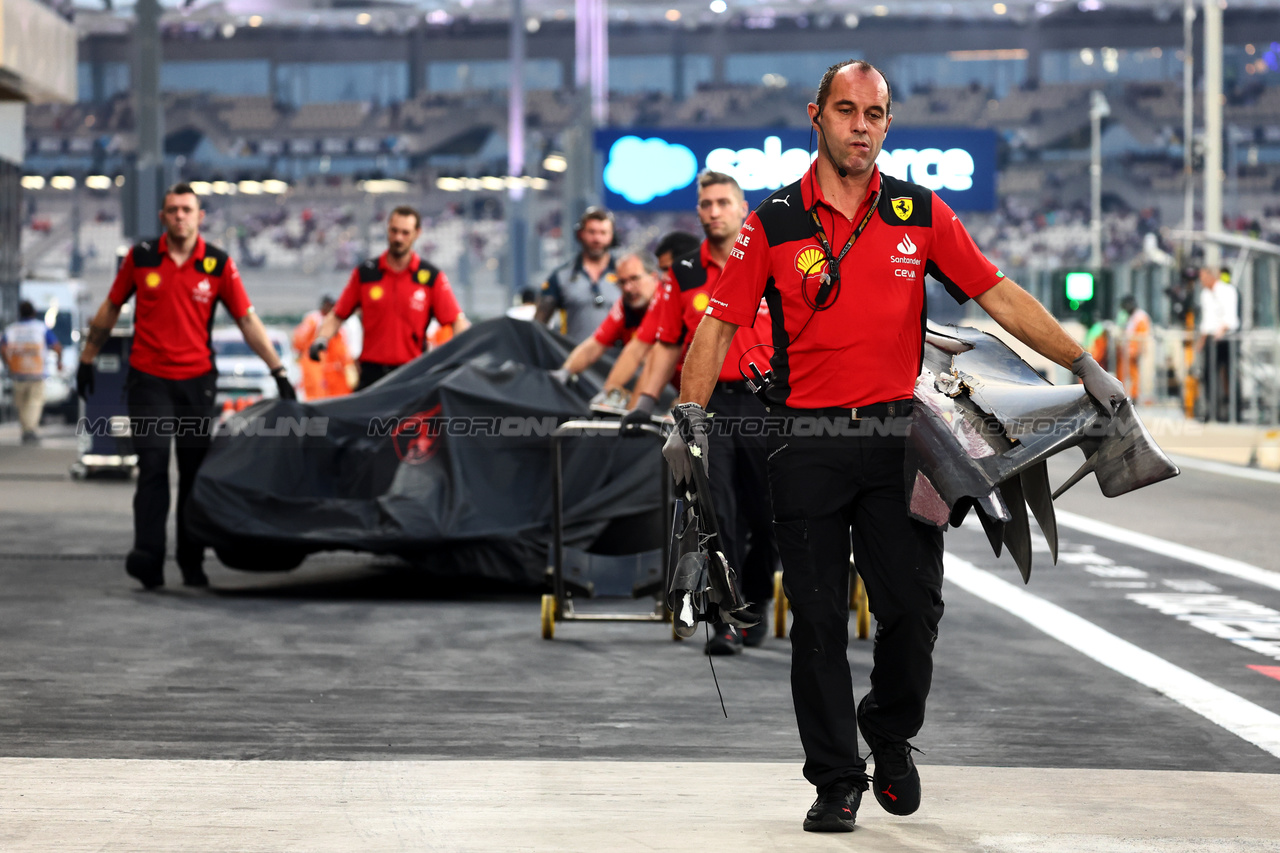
[
  {"x": 177, "y": 281},
  {"x": 638, "y": 280},
  {"x": 840, "y": 258},
  {"x": 740, "y": 488},
  {"x": 397, "y": 294}
]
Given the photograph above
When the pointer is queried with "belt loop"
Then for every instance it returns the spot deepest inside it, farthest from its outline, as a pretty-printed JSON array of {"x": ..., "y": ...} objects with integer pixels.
[{"x": 853, "y": 413}]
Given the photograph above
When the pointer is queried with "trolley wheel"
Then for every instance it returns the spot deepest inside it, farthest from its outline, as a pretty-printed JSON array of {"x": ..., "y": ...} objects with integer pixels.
[
  {"x": 780, "y": 607},
  {"x": 548, "y": 616},
  {"x": 861, "y": 607}
]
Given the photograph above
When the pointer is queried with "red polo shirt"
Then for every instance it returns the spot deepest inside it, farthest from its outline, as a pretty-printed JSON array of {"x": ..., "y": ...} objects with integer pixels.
[
  {"x": 175, "y": 305},
  {"x": 683, "y": 303},
  {"x": 866, "y": 346},
  {"x": 396, "y": 307},
  {"x": 621, "y": 324}
]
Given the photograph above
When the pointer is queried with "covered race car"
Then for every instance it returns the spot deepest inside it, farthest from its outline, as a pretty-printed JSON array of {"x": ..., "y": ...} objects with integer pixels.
[{"x": 445, "y": 462}]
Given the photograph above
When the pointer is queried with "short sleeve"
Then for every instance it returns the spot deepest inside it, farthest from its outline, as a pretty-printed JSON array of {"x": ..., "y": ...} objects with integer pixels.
[
  {"x": 736, "y": 296},
  {"x": 349, "y": 301},
  {"x": 671, "y": 316},
  {"x": 232, "y": 292},
  {"x": 122, "y": 287},
  {"x": 612, "y": 327},
  {"x": 955, "y": 260},
  {"x": 551, "y": 289},
  {"x": 648, "y": 330},
  {"x": 443, "y": 303}
]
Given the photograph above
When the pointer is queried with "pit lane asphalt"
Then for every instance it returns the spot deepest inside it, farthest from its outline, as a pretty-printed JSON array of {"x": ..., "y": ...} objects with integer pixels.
[{"x": 354, "y": 658}]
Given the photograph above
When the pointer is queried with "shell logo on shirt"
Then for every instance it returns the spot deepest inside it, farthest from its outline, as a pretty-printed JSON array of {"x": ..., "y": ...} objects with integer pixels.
[
  {"x": 811, "y": 261},
  {"x": 152, "y": 279},
  {"x": 700, "y": 302},
  {"x": 375, "y": 292}
]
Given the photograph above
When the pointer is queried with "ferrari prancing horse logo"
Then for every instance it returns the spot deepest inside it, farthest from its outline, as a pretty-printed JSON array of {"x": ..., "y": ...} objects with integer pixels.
[
  {"x": 209, "y": 264},
  {"x": 902, "y": 207}
]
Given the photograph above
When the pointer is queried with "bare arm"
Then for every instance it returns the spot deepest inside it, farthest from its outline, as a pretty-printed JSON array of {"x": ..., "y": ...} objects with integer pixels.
[
  {"x": 461, "y": 324},
  {"x": 99, "y": 330},
  {"x": 328, "y": 327},
  {"x": 706, "y": 355},
  {"x": 659, "y": 367},
  {"x": 255, "y": 335},
  {"x": 1019, "y": 314},
  {"x": 627, "y": 364},
  {"x": 546, "y": 307},
  {"x": 583, "y": 356},
  {"x": 57, "y": 349},
  {"x": 4, "y": 355}
]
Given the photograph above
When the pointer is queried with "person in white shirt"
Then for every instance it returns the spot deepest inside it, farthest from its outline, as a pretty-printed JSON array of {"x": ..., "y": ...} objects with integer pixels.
[
  {"x": 1219, "y": 318},
  {"x": 22, "y": 349}
]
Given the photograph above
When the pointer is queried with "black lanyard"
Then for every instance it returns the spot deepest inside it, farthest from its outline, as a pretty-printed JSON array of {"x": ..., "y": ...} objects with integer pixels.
[{"x": 832, "y": 277}]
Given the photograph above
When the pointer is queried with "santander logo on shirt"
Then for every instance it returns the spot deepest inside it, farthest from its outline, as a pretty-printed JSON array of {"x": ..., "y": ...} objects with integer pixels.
[{"x": 908, "y": 248}]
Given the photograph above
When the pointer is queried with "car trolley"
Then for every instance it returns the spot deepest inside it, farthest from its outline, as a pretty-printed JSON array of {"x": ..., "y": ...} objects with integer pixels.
[
  {"x": 557, "y": 606},
  {"x": 857, "y": 604}
]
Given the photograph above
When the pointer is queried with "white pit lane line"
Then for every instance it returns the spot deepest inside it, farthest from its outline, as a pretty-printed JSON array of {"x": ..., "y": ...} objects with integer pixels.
[
  {"x": 1185, "y": 553},
  {"x": 1239, "y": 716}
]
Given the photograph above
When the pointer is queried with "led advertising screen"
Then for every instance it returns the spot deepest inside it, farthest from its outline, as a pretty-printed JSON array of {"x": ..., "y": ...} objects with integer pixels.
[{"x": 656, "y": 168}]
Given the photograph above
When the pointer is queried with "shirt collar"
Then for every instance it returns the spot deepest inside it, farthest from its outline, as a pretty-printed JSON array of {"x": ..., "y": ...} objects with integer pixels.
[
  {"x": 414, "y": 262},
  {"x": 578, "y": 268},
  {"x": 811, "y": 191},
  {"x": 704, "y": 255},
  {"x": 162, "y": 246}
]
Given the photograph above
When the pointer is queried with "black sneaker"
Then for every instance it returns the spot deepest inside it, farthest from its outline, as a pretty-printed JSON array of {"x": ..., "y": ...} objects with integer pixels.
[
  {"x": 836, "y": 808},
  {"x": 725, "y": 640},
  {"x": 754, "y": 637},
  {"x": 148, "y": 570},
  {"x": 896, "y": 782},
  {"x": 194, "y": 576}
]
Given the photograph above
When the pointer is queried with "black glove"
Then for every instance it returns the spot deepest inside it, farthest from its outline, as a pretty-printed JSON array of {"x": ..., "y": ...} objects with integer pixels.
[
  {"x": 317, "y": 347},
  {"x": 561, "y": 375},
  {"x": 1102, "y": 386},
  {"x": 639, "y": 416},
  {"x": 688, "y": 439},
  {"x": 84, "y": 379},
  {"x": 283, "y": 385}
]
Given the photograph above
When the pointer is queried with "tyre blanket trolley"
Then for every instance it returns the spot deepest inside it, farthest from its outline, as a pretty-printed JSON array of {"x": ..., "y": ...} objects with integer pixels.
[{"x": 558, "y": 605}]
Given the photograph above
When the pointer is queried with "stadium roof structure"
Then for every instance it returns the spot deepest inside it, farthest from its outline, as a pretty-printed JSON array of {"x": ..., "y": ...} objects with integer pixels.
[{"x": 752, "y": 14}]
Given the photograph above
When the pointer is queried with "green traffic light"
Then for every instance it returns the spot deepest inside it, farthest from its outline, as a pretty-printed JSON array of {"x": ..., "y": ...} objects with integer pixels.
[{"x": 1079, "y": 287}]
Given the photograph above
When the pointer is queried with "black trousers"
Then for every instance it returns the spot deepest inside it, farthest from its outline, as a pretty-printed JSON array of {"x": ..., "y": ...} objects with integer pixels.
[
  {"x": 371, "y": 372},
  {"x": 824, "y": 487},
  {"x": 161, "y": 412},
  {"x": 740, "y": 487}
]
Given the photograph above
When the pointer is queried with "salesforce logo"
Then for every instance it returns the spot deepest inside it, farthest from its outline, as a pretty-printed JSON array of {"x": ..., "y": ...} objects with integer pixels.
[{"x": 640, "y": 170}]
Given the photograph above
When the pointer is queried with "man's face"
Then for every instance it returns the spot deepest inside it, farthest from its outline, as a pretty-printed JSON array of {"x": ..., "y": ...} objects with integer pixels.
[
  {"x": 854, "y": 120},
  {"x": 721, "y": 211},
  {"x": 636, "y": 282},
  {"x": 181, "y": 216},
  {"x": 402, "y": 232},
  {"x": 665, "y": 260},
  {"x": 596, "y": 237},
  {"x": 1207, "y": 278}
]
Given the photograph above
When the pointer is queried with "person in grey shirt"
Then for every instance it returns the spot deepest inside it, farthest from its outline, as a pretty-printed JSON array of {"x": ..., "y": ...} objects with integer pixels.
[{"x": 584, "y": 289}]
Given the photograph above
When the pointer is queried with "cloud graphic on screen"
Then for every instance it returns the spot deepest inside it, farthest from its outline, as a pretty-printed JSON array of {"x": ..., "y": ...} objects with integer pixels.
[{"x": 640, "y": 170}]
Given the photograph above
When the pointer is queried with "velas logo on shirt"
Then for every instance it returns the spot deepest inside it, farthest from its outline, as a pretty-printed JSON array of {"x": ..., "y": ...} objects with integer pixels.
[
  {"x": 209, "y": 264},
  {"x": 153, "y": 279},
  {"x": 700, "y": 302},
  {"x": 906, "y": 247},
  {"x": 902, "y": 207},
  {"x": 811, "y": 261},
  {"x": 375, "y": 292}
]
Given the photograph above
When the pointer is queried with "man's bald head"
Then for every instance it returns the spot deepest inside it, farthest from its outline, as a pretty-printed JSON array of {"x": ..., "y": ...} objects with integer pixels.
[{"x": 852, "y": 66}]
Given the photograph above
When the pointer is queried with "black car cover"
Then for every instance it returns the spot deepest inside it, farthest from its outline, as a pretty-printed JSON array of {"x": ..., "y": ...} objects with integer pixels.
[{"x": 446, "y": 462}]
